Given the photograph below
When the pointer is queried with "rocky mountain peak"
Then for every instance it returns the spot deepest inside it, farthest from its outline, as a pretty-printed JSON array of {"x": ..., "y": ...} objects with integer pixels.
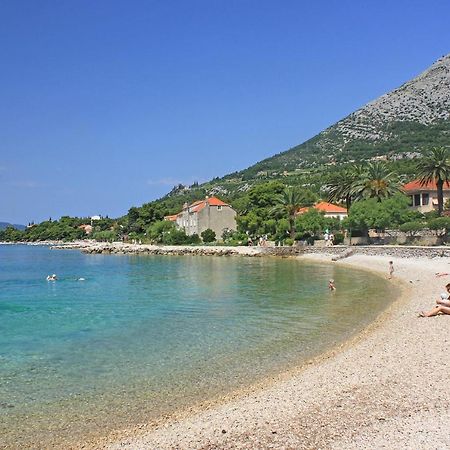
[{"x": 425, "y": 99}]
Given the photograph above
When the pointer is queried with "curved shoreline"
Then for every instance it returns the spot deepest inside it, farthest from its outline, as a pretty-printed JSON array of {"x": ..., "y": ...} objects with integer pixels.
[
  {"x": 73, "y": 438},
  {"x": 331, "y": 396},
  {"x": 256, "y": 387}
]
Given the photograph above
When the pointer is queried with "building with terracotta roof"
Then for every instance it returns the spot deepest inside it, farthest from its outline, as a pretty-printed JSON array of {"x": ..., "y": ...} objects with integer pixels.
[
  {"x": 210, "y": 213},
  {"x": 86, "y": 228},
  {"x": 424, "y": 196},
  {"x": 328, "y": 209}
]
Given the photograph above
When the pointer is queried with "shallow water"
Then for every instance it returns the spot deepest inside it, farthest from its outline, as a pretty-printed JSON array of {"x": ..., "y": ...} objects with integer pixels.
[{"x": 145, "y": 335}]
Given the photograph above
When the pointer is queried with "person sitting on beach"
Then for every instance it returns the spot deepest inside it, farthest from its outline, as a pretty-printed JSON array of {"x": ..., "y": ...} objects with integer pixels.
[{"x": 442, "y": 305}]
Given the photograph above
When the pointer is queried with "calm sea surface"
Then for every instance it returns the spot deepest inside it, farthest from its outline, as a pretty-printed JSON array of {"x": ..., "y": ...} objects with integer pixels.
[{"x": 143, "y": 336}]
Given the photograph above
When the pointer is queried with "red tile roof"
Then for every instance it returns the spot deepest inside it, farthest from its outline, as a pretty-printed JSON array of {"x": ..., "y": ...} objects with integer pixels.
[
  {"x": 200, "y": 204},
  {"x": 330, "y": 208},
  {"x": 416, "y": 185},
  {"x": 172, "y": 218},
  {"x": 214, "y": 201},
  {"x": 302, "y": 210},
  {"x": 325, "y": 207}
]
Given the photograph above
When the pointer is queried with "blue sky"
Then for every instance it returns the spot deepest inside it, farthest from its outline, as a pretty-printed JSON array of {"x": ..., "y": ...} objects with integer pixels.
[{"x": 108, "y": 104}]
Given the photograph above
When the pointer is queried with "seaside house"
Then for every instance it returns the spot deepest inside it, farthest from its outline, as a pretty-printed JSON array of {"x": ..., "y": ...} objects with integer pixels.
[
  {"x": 328, "y": 209},
  {"x": 210, "y": 213},
  {"x": 86, "y": 228},
  {"x": 424, "y": 197}
]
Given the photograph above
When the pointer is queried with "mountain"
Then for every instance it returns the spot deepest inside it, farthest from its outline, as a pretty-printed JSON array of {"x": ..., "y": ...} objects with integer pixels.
[
  {"x": 413, "y": 116},
  {"x": 4, "y": 225},
  {"x": 394, "y": 127}
]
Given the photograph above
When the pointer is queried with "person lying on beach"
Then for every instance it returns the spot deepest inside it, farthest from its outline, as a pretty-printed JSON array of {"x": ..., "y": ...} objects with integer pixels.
[
  {"x": 441, "y": 274},
  {"x": 442, "y": 305}
]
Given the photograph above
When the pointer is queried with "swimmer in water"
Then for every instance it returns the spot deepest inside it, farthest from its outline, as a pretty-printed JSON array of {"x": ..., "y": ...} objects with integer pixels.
[
  {"x": 52, "y": 277},
  {"x": 331, "y": 285}
]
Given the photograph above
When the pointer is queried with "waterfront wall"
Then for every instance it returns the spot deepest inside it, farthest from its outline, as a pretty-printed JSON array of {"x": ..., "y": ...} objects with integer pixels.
[
  {"x": 400, "y": 251},
  {"x": 336, "y": 252}
]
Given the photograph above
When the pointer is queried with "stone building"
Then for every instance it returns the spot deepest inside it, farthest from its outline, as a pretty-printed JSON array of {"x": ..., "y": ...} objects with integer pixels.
[{"x": 210, "y": 213}]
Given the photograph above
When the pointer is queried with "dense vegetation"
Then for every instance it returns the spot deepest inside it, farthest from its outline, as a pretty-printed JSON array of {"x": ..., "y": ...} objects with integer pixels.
[{"x": 266, "y": 204}]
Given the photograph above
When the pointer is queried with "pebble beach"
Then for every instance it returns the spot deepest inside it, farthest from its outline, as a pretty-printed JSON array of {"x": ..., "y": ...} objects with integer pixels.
[{"x": 385, "y": 388}]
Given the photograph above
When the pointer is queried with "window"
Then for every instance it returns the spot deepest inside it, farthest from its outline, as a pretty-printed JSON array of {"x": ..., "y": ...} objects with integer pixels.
[
  {"x": 417, "y": 200},
  {"x": 425, "y": 199},
  {"x": 219, "y": 208}
]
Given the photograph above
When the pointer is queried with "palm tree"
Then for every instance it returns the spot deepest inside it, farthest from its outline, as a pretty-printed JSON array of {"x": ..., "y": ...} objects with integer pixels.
[
  {"x": 376, "y": 182},
  {"x": 288, "y": 204},
  {"x": 434, "y": 166},
  {"x": 342, "y": 187}
]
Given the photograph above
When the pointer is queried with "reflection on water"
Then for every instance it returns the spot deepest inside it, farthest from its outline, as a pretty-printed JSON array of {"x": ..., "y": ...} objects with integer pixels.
[{"x": 143, "y": 336}]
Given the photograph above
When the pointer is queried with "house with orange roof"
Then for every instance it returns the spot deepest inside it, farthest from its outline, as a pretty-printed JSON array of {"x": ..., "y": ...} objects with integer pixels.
[
  {"x": 424, "y": 196},
  {"x": 210, "y": 213},
  {"x": 86, "y": 228},
  {"x": 329, "y": 210}
]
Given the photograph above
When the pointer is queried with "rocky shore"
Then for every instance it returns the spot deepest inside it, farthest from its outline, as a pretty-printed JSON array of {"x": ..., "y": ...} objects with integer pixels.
[
  {"x": 336, "y": 252},
  {"x": 120, "y": 248}
]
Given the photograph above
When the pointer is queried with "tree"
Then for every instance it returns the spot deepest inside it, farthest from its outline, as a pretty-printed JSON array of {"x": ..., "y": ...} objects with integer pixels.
[
  {"x": 208, "y": 235},
  {"x": 341, "y": 187},
  {"x": 312, "y": 222},
  {"x": 434, "y": 166},
  {"x": 371, "y": 213},
  {"x": 265, "y": 195},
  {"x": 376, "y": 182},
  {"x": 158, "y": 230},
  {"x": 288, "y": 204}
]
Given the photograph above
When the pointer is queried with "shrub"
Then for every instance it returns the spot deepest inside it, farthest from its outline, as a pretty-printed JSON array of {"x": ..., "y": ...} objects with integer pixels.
[
  {"x": 411, "y": 228},
  {"x": 195, "y": 239},
  {"x": 440, "y": 225},
  {"x": 208, "y": 235}
]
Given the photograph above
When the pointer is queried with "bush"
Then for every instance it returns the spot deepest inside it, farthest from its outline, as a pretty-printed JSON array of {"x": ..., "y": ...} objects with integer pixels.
[
  {"x": 208, "y": 235},
  {"x": 195, "y": 239},
  {"x": 440, "y": 225},
  {"x": 104, "y": 236},
  {"x": 411, "y": 228},
  {"x": 289, "y": 242},
  {"x": 234, "y": 237}
]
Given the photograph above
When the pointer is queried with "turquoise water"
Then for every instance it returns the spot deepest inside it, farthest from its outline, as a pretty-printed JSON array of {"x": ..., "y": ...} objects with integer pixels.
[{"x": 143, "y": 336}]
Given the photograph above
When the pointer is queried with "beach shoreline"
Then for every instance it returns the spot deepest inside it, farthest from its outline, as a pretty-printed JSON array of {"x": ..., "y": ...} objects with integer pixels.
[{"x": 381, "y": 387}]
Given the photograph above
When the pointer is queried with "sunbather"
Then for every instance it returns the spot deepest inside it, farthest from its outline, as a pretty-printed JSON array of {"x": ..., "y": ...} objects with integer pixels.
[{"x": 442, "y": 307}]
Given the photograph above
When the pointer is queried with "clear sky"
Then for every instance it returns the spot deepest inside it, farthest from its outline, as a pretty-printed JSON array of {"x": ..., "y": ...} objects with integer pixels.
[{"x": 107, "y": 104}]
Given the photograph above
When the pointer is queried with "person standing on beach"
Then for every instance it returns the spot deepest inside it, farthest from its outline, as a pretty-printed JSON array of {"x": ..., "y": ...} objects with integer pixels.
[{"x": 391, "y": 269}]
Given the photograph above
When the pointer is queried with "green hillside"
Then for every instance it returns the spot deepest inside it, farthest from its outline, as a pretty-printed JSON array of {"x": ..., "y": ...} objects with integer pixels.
[{"x": 394, "y": 128}]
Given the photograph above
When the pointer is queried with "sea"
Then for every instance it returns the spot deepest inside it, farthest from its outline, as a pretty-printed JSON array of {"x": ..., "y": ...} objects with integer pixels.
[{"x": 122, "y": 340}]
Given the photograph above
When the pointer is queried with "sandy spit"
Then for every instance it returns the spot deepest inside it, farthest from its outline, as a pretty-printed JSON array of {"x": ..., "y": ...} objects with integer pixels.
[{"x": 387, "y": 388}]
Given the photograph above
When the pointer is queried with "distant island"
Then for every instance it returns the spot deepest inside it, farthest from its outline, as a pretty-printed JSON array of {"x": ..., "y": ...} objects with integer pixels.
[{"x": 5, "y": 225}]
